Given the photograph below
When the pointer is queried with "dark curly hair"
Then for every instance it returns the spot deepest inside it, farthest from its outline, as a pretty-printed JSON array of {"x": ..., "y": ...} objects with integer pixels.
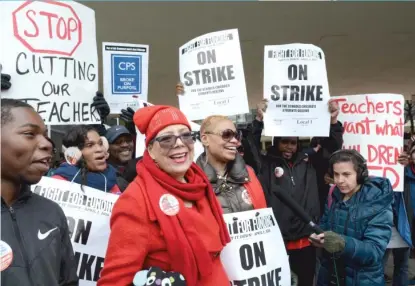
[{"x": 76, "y": 137}]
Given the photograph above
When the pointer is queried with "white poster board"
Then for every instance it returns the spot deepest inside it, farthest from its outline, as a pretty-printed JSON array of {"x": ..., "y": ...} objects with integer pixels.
[
  {"x": 256, "y": 255},
  {"x": 374, "y": 126},
  {"x": 125, "y": 72},
  {"x": 88, "y": 213},
  {"x": 212, "y": 73},
  {"x": 140, "y": 145},
  {"x": 296, "y": 85},
  {"x": 49, "y": 49}
]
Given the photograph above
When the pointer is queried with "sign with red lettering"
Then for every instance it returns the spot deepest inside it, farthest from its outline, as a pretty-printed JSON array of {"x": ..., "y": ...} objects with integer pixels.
[
  {"x": 374, "y": 126},
  {"x": 51, "y": 55}
]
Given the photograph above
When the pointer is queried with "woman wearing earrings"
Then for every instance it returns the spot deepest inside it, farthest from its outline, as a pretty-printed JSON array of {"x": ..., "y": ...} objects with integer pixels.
[
  {"x": 86, "y": 154},
  {"x": 235, "y": 184},
  {"x": 168, "y": 217}
]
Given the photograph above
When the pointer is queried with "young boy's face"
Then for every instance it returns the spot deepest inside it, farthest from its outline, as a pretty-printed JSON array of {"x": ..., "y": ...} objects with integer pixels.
[{"x": 25, "y": 149}]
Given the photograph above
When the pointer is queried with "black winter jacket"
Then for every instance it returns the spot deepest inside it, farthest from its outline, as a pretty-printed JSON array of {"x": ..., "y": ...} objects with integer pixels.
[
  {"x": 37, "y": 231},
  {"x": 302, "y": 179}
]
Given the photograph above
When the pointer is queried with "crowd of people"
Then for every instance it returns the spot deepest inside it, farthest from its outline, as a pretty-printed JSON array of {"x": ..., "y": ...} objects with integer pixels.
[{"x": 168, "y": 217}]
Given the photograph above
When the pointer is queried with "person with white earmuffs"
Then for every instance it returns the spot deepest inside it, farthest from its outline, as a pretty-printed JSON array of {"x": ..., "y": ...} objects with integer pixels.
[{"x": 86, "y": 154}]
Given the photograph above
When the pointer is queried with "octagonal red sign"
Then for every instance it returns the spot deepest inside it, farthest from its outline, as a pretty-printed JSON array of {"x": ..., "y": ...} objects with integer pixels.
[{"x": 48, "y": 27}]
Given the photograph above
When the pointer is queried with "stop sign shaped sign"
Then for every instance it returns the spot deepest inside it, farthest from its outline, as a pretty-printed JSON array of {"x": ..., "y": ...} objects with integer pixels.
[{"x": 48, "y": 27}]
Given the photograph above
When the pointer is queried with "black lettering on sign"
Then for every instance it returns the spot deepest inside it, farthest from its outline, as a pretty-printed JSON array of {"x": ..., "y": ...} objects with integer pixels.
[
  {"x": 49, "y": 88},
  {"x": 88, "y": 264},
  {"x": 250, "y": 225},
  {"x": 18, "y": 70},
  {"x": 248, "y": 255},
  {"x": 98, "y": 267},
  {"x": 40, "y": 107},
  {"x": 210, "y": 75},
  {"x": 52, "y": 65},
  {"x": 79, "y": 230},
  {"x": 39, "y": 67},
  {"x": 271, "y": 278},
  {"x": 297, "y": 72},
  {"x": 208, "y": 57},
  {"x": 51, "y": 59},
  {"x": 74, "y": 110},
  {"x": 297, "y": 92}
]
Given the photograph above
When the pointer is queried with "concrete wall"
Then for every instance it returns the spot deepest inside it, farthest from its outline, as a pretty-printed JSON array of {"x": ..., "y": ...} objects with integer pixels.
[{"x": 370, "y": 47}]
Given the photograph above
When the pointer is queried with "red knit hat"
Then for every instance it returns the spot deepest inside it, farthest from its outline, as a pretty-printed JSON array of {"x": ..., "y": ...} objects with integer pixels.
[{"x": 150, "y": 120}]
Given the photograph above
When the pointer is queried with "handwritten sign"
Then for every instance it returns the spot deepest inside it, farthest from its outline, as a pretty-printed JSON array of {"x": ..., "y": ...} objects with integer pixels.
[
  {"x": 256, "y": 255},
  {"x": 296, "y": 86},
  {"x": 51, "y": 55},
  {"x": 374, "y": 126}
]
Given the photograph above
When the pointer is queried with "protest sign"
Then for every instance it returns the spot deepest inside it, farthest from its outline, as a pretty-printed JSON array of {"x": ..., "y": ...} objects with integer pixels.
[
  {"x": 296, "y": 86},
  {"x": 374, "y": 126},
  {"x": 125, "y": 71},
  {"x": 88, "y": 212},
  {"x": 212, "y": 73},
  {"x": 140, "y": 145},
  {"x": 51, "y": 55},
  {"x": 256, "y": 256}
]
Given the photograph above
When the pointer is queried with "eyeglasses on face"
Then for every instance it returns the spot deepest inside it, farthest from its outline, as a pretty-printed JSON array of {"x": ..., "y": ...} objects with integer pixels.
[
  {"x": 228, "y": 134},
  {"x": 168, "y": 141}
]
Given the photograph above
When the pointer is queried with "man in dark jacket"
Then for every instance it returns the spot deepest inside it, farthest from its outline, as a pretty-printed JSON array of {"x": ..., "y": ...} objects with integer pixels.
[
  {"x": 35, "y": 245},
  {"x": 121, "y": 150},
  {"x": 286, "y": 168}
]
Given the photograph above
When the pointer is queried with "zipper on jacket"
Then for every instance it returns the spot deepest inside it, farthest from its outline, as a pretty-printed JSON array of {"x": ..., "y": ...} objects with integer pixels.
[
  {"x": 19, "y": 240},
  {"x": 292, "y": 180},
  {"x": 290, "y": 169}
]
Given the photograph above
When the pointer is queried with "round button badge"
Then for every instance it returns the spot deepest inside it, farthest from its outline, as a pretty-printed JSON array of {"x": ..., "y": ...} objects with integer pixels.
[
  {"x": 246, "y": 197},
  {"x": 6, "y": 255},
  {"x": 278, "y": 172},
  {"x": 169, "y": 205}
]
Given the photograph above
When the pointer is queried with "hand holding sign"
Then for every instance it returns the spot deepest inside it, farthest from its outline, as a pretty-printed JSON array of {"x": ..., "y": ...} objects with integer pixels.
[
  {"x": 5, "y": 81},
  {"x": 101, "y": 105},
  {"x": 334, "y": 111},
  {"x": 127, "y": 116},
  {"x": 261, "y": 108},
  {"x": 179, "y": 89},
  {"x": 404, "y": 159}
]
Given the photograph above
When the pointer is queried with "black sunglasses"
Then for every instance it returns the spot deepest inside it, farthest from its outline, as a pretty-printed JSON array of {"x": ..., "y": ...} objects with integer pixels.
[
  {"x": 168, "y": 141},
  {"x": 228, "y": 134}
]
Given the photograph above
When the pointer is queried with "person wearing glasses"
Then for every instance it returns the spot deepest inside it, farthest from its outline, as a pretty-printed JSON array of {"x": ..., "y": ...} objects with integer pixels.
[
  {"x": 235, "y": 184},
  {"x": 168, "y": 217},
  {"x": 286, "y": 167}
]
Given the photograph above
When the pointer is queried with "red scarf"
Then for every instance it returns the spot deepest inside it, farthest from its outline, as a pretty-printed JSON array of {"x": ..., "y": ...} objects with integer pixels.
[{"x": 188, "y": 254}]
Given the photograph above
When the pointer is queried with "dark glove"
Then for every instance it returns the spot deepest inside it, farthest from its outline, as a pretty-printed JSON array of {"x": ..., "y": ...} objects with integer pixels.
[
  {"x": 5, "y": 81},
  {"x": 333, "y": 242},
  {"x": 149, "y": 277},
  {"x": 127, "y": 116},
  {"x": 101, "y": 105}
]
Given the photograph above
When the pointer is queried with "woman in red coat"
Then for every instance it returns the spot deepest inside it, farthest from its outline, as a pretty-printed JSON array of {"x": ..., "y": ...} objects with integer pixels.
[{"x": 168, "y": 216}]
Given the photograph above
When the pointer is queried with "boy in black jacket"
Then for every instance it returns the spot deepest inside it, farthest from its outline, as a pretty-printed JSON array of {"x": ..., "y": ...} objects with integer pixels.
[{"x": 34, "y": 231}]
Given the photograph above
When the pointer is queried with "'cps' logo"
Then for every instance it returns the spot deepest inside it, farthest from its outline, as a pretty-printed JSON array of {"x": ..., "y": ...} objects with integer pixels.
[{"x": 126, "y": 66}]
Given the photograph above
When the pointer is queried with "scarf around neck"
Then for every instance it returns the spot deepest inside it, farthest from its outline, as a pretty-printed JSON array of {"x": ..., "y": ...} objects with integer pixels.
[{"x": 187, "y": 251}]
